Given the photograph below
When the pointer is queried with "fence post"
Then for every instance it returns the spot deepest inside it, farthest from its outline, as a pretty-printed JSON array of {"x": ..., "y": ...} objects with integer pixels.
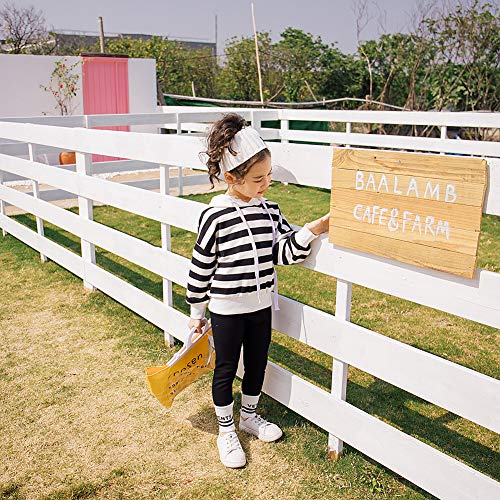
[
  {"x": 348, "y": 133},
  {"x": 86, "y": 208},
  {"x": 179, "y": 169},
  {"x": 444, "y": 135},
  {"x": 339, "y": 368},
  {"x": 36, "y": 194},
  {"x": 256, "y": 121},
  {"x": 166, "y": 244},
  {"x": 179, "y": 180},
  {"x": 2, "y": 203},
  {"x": 284, "y": 127}
]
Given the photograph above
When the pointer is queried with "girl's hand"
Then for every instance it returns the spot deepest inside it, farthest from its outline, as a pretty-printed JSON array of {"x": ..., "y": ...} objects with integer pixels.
[
  {"x": 320, "y": 225},
  {"x": 197, "y": 323}
]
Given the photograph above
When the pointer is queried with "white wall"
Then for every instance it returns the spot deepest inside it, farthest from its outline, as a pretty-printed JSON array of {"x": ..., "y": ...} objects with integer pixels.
[
  {"x": 20, "y": 79},
  {"x": 142, "y": 90},
  {"x": 21, "y": 95}
]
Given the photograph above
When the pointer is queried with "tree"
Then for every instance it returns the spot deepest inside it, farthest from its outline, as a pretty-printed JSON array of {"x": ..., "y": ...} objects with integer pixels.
[
  {"x": 300, "y": 58},
  {"x": 391, "y": 58},
  {"x": 238, "y": 77},
  {"x": 341, "y": 75},
  {"x": 464, "y": 71},
  {"x": 448, "y": 60},
  {"x": 24, "y": 28},
  {"x": 176, "y": 65}
]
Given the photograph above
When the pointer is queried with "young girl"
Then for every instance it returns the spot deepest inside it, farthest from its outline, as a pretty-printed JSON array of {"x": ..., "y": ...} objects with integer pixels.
[{"x": 241, "y": 235}]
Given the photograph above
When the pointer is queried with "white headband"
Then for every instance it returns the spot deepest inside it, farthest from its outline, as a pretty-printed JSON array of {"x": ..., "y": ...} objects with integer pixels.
[{"x": 246, "y": 143}]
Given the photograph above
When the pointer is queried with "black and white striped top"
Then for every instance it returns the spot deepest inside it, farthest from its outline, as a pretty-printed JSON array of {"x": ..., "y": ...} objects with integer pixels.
[{"x": 229, "y": 264}]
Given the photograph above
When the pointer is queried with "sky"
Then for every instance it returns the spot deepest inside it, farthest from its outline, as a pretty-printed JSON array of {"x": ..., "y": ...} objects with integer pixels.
[{"x": 333, "y": 20}]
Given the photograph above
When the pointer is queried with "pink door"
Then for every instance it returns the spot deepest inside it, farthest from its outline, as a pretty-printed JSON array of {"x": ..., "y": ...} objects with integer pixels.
[{"x": 105, "y": 91}]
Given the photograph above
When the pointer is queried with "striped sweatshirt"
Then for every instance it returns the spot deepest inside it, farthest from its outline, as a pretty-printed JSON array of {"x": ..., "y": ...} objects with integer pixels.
[{"x": 238, "y": 244}]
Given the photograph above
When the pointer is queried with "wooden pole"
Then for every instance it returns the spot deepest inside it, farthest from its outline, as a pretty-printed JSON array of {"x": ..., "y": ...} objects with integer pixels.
[
  {"x": 101, "y": 35},
  {"x": 310, "y": 90},
  {"x": 216, "y": 60},
  {"x": 257, "y": 55},
  {"x": 159, "y": 91}
]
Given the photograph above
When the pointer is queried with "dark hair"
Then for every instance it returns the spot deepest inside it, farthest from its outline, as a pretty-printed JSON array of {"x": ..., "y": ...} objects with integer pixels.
[{"x": 219, "y": 137}]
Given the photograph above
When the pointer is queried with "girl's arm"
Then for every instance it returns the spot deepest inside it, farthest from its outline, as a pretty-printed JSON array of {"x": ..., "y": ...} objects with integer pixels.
[
  {"x": 203, "y": 265},
  {"x": 292, "y": 246}
]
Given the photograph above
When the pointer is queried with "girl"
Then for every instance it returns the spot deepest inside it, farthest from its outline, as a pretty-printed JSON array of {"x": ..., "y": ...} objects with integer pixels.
[{"x": 241, "y": 235}]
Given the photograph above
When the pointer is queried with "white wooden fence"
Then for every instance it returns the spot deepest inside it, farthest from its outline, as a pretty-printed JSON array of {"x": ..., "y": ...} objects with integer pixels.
[
  {"x": 463, "y": 391},
  {"x": 102, "y": 168}
]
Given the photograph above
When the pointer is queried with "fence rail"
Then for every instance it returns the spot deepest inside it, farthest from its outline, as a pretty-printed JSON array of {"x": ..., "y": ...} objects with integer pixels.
[{"x": 472, "y": 395}]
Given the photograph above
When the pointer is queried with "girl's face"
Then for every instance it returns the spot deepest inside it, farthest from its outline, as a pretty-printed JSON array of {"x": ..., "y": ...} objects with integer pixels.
[{"x": 255, "y": 182}]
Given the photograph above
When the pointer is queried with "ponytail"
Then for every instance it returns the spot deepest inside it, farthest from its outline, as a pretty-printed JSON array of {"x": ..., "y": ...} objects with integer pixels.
[{"x": 219, "y": 137}]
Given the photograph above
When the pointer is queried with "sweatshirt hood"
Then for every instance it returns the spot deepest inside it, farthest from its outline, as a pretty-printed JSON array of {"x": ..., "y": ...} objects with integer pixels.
[{"x": 225, "y": 200}]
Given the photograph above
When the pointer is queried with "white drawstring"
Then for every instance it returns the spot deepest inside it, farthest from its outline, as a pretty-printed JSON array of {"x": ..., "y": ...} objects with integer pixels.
[
  {"x": 255, "y": 255},
  {"x": 275, "y": 291}
]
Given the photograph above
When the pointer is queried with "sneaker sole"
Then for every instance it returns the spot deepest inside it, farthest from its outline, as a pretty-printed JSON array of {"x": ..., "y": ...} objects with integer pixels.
[
  {"x": 234, "y": 466},
  {"x": 266, "y": 440}
]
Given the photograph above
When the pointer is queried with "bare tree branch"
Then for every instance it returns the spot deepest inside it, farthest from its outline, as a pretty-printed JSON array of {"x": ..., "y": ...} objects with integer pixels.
[
  {"x": 363, "y": 15},
  {"x": 24, "y": 28}
]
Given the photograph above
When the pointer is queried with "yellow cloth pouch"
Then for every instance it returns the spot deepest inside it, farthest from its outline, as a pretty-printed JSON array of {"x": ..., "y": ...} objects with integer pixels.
[{"x": 195, "y": 358}]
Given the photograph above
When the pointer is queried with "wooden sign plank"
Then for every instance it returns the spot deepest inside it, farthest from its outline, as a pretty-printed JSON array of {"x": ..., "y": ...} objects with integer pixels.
[
  {"x": 423, "y": 209},
  {"x": 472, "y": 192},
  {"x": 419, "y": 164}
]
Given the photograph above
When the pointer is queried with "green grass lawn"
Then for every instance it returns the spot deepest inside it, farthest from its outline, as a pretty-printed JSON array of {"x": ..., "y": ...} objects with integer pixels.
[{"x": 465, "y": 342}]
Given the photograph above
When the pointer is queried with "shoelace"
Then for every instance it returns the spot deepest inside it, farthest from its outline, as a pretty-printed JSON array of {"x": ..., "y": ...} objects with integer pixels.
[
  {"x": 259, "y": 420},
  {"x": 232, "y": 442}
]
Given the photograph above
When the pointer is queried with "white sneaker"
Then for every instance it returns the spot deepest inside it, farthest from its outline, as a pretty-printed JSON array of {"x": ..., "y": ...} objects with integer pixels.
[
  {"x": 230, "y": 451},
  {"x": 260, "y": 427}
]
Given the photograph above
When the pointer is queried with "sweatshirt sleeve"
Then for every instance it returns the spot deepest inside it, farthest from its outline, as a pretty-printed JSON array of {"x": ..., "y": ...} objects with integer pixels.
[
  {"x": 203, "y": 265},
  {"x": 291, "y": 246}
]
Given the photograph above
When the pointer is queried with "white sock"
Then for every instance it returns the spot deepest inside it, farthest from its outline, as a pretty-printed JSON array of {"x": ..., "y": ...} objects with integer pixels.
[
  {"x": 248, "y": 405},
  {"x": 225, "y": 417}
]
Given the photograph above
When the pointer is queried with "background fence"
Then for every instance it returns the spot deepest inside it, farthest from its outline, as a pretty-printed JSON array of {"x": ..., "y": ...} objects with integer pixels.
[{"x": 463, "y": 391}]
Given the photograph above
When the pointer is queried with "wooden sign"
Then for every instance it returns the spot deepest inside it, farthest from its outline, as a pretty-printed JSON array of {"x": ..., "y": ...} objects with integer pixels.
[{"x": 423, "y": 209}]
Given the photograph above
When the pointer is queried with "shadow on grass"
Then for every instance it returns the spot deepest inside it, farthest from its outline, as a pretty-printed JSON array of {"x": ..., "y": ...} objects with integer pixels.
[
  {"x": 312, "y": 442},
  {"x": 132, "y": 273},
  {"x": 53, "y": 233},
  {"x": 310, "y": 369},
  {"x": 88, "y": 489},
  {"x": 11, "y": 491},
  {"x": 389, "y": 403}
]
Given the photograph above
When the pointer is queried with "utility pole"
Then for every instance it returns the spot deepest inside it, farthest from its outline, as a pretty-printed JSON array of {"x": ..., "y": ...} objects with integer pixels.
[
  {"x": 258, "y": 60},
  {"x": 101, "y": 35},
  {"x": 216, "y": 39}
]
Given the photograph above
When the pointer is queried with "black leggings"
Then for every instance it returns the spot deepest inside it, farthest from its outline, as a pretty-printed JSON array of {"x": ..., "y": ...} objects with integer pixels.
[{"x": 230, "y": 332}]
